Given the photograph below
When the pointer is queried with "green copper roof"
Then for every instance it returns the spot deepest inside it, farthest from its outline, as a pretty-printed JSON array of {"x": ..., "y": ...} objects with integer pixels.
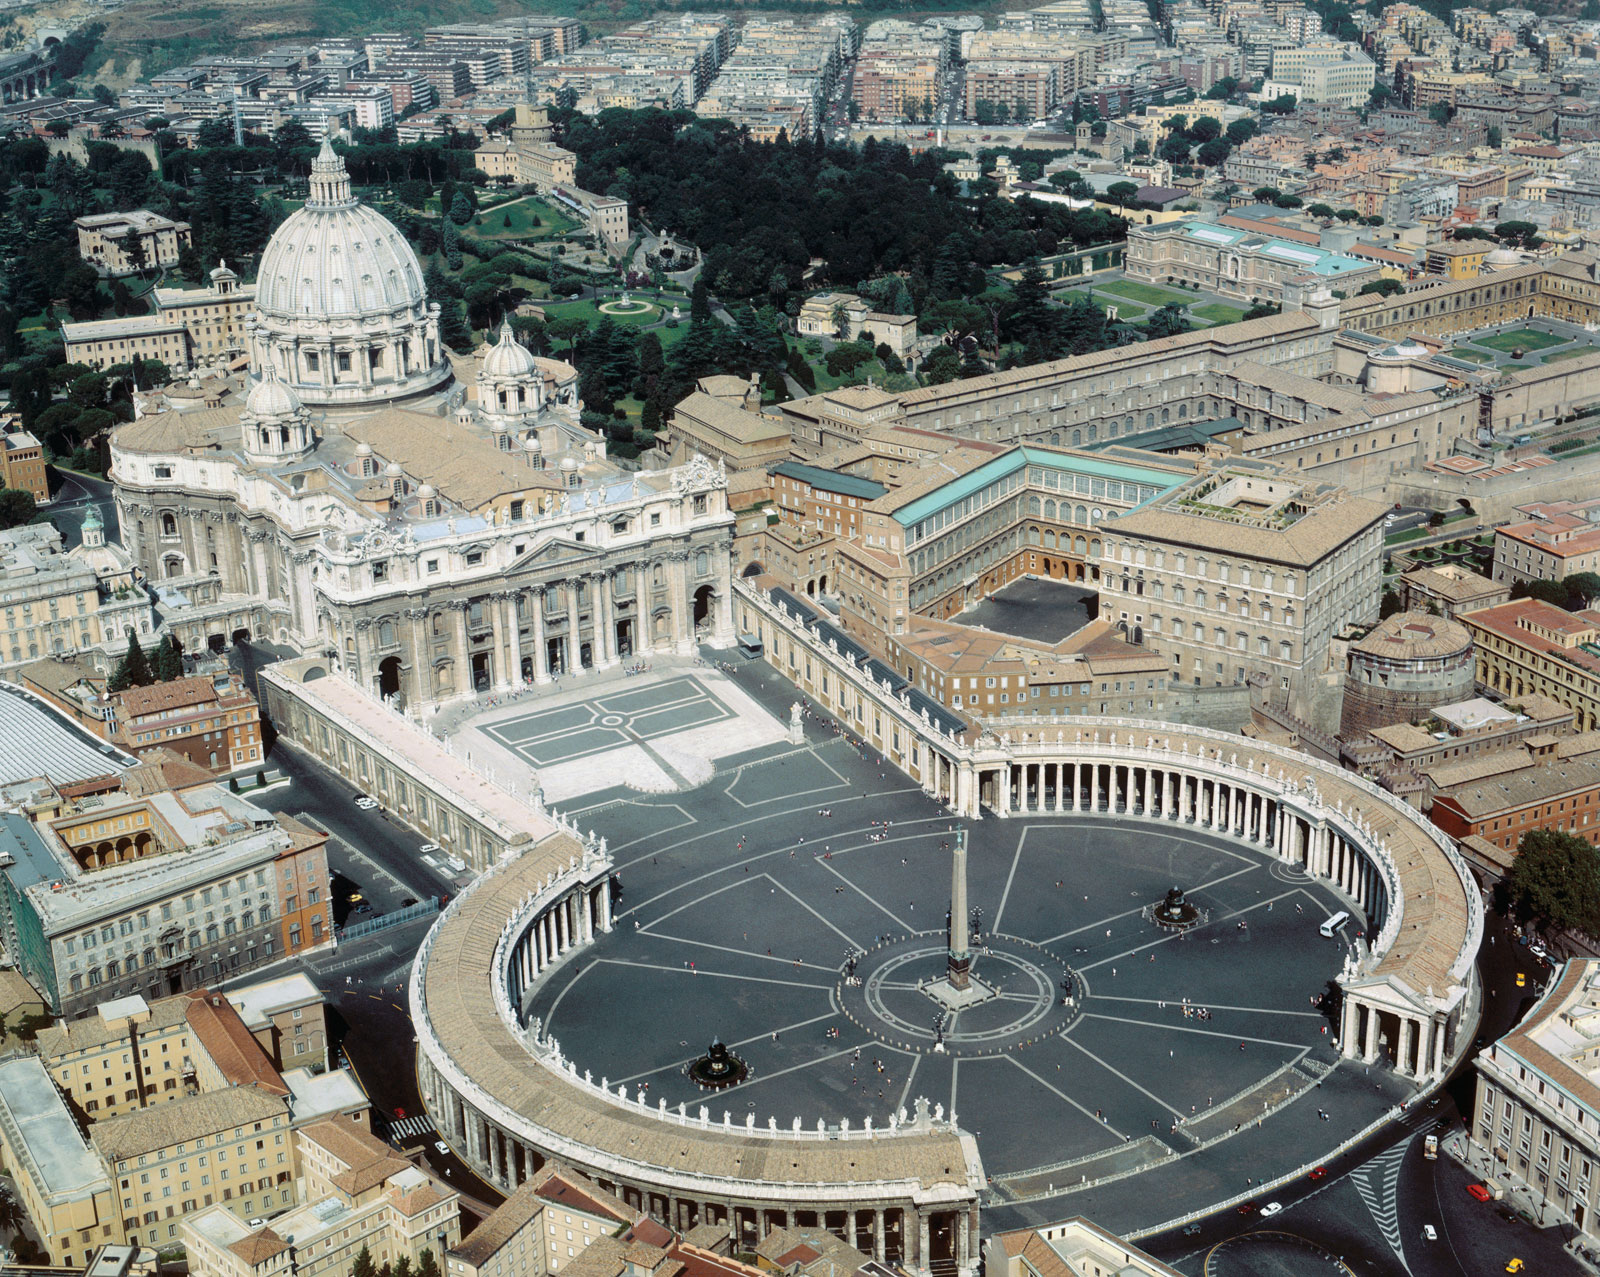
[{"x": 976, "y": 480}]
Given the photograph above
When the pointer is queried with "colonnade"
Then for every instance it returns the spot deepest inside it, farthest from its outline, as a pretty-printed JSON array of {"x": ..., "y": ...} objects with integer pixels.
[
  {"x": 566, "y": 922},
  {"x": 915, "y": 1238}
]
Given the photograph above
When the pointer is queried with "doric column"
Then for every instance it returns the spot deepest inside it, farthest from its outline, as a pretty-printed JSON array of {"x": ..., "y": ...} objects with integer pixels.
[
  {"x": 1349, "y": 1024},
  {"x": 1062, "y": 771},
  {"x": 1003, "y": 776},
  {"x": 682, "y": 612},
  {"x": 585, "y": 903},
  {"x": 419, "y": 621},
  {"x": 878, "y": 1251},
  {"x": 1436, "y": 1054},
  {"x": 605, "y": 905},
  {"x": 1403, "y": 1044},
  {"x": 604, "y": 622},
  {"x": 1370, "y": 1051},
  {"x": 922, "y": 1241},
  {"x": 463, "y": 680}
]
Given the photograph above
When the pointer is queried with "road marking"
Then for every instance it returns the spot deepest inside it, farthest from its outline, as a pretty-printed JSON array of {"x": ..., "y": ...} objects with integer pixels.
[
  {"x": 1063, "y": 1095},
  {"x": 1378, "y": 1184}
]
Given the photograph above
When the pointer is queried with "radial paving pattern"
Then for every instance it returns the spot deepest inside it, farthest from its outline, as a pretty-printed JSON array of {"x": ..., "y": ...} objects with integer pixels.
[{"x": 741, "y": 913}]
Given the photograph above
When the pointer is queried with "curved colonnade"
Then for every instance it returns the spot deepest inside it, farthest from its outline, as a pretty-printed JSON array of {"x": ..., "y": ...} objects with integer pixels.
[{"x": 504, "y": 1094}]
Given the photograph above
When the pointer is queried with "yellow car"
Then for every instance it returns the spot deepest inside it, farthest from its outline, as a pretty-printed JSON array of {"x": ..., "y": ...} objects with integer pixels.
[
  {"x": 1515, "y": 1266},
  {"x": 1522, "y": 981}
]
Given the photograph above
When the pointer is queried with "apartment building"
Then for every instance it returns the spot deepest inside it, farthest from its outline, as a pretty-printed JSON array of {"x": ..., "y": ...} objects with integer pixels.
[
  {"x": 61, "y": 1184},
  {"x": 22, "y": 461},
  {"x": 1245, "y": 570},
  {"x": 210, "y": 719},
  {"x": 1530, "y": 646},
  {"x": 359, "y": 1194},
  {"x": 154, "y": 882},
  {"x": 1536, "y": 1108},
  {"x": 127, "y": 243},
  {"x": 1557, "y": 539}
]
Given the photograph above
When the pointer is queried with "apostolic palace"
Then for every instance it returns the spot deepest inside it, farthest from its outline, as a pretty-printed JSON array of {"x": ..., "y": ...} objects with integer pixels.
[{"x": 435, "y": 534}]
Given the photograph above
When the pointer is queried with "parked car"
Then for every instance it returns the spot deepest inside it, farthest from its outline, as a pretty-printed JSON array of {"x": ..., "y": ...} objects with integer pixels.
[
  {"x": 366, "y": 802},
  {"x": 1271, "y": 1209},
  {"x": 430, "y": 862},
  {"x": 1479, "y": 1192},
  {"x": 456, "y": 863},
  {"x": 1321, "y": 1172},
  {"x": 1246, "y": 1208},
  {"x": 442, "y": 1147},
  {"x": 1429, "y": 1233},
  {"x": 429, "y": 847}
]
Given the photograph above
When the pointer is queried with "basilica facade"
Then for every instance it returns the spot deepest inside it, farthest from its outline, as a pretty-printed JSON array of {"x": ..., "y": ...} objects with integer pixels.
[{"x": 351, "y": 498}]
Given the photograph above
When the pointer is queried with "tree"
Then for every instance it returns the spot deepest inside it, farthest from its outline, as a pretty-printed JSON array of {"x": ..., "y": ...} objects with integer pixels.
[
  {"x": 363, "y": 1265},
  {"x": 1439, "y": 113},
  {"x": 1383, "y": 287},
  {"x": 1288, "y": 201},
  {"x": 1168, "y": 321},
  {"x": 1492, "y": 136},
  {"x": 1389, "y": 604},
  {"x": 427, "y": 1266},
  {"x": 1379, "y": 95},
  {"x": 213, "y": 134},
  {"x": 568, "y": 328},
  {"x": 1583, "y": 588},
  {"x": 17, "y": 507},
  {"x": 169, "y": 659},
  {"x": 1265, "y": 194},
  {"x": 1122, "y": 193},
  {"x": 700, "y": 301},
  {"x": 1551, "y": 592},
  {"x": 460, "y": 208},
  {"x": 133, "y": 670},
  {"x": 1241, "y": 131},
  {"x": 1324, "y": 211},
  {"x": 1214, "y": 152},
  {"x": 1555, "y": 880}
]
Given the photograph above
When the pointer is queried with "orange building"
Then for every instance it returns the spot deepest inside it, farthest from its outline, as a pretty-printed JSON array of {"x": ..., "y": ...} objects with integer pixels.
[
  {"x": 22, "y": 462},
  {"x": 1562, "y": 795},
  {"x": 305, "y": 889},
  {"x": 211, "y": 719}
]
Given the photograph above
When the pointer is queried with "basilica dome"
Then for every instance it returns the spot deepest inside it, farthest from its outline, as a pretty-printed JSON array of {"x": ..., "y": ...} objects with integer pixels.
[{"x": 341, "y": 311}]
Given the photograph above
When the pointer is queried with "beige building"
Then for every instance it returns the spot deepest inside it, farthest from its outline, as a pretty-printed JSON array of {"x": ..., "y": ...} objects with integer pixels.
[
  {"x": 1556, "y": 540},
  {"x": 546, "y": 1223},
  {"x": 526, "y": 156},
  {"x": 126, "y": 243},
  {"x": 61, "y": 1183},
  {"x": 1238, "y": 263},
  {"x": 723, "y": 421},
  {"x": 232, "y": 1148},
  {"x": 359, "y": 1194},
  {"x": 1536, "y": 1111},
  {"x": 191, "y": 326},
  {"x": 1072, "y": 1248},
  {"x": 1449, "y": 590},
  {"x": 845, "y": 317},
  {"x": 1245, "y": 570}
]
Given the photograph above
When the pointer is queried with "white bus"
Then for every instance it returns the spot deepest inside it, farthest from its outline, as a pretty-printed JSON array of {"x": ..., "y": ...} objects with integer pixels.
[{"x": 1330, "y": 928}]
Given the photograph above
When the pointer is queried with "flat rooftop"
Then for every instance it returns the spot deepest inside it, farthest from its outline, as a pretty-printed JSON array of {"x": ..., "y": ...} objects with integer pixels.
[
  {"x": 1034, "y": 609},
  {"x": 62, "y": 1164}
]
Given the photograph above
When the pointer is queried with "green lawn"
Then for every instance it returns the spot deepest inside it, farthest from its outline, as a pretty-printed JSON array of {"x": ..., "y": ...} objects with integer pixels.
[
  {"x": 1526, "y": 338},
  {"x": 1143, "y": 292},
  {"x": 1125, "y": 309},
  {"x": 1217, "y": 313},
  {"x": 1468, "y": 353},
  {"x": 590, "y": 311},
  {"x": 552, "y": 221},
  {"x": 1569, "y": 354}
]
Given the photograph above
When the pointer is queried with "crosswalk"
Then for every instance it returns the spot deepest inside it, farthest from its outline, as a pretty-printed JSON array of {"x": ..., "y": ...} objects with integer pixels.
[
  {"x": 1378, "y": 1184},
  {"x": 409, "y": 1128}
]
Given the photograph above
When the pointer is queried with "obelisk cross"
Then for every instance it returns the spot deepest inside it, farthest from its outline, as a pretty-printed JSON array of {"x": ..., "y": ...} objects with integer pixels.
[{"x": 960, "y": 950}]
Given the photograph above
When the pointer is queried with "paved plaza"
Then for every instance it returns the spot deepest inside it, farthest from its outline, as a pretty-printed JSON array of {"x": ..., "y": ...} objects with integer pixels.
[
  {"x": 743, "y": 902},
  {"x": 661, "y": 731}
]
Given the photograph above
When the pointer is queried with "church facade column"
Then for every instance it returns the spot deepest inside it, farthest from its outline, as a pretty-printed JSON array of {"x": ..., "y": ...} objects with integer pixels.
[
  {"x": 514, "y": 604},
  {"x": 499, "y": 676},
  {"x": 682, "y": 615},
  {"x": 574, "y": 629},
  {"x": 541, "y": 646}
]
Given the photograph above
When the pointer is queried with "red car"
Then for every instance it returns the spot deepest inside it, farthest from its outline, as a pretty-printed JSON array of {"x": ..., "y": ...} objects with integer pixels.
[
  {"x": 1320, "y": 1172},
  {"x": 1479, "y": 1191},
  {"x": 1247, "y": 1208}
]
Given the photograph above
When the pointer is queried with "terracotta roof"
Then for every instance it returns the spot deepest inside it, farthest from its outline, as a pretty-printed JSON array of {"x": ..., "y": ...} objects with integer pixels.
[
  {"x": 231, "y": 1046},
  {"x": 161, "y": 771},
  {"x": 259, "y": 1246},
  {"x": 509, "y": 1218},
  {"x": 412, "y": 1202},
  {"x": 368, "y": 1161},
  {"x": 1319, "y": 532},
  {"x": 181, "y": 1121},
  {"x": 463, "y": 464},
  {"x": 180, "y": 693},
  {"x": 566, "y": 1187},
  {"x": 1411, "y": 636}
]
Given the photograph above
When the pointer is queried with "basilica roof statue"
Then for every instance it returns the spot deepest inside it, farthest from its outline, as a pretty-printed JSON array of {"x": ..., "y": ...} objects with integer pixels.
[{"x": 342, "y": 312}]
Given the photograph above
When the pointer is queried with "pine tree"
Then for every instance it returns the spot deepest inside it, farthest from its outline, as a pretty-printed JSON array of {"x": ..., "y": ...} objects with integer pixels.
[
  {"x": 699, "y": 303},
  {"x": 460, "y": 209},
  {"x": 450, "y": 243},
  {"x": 133, "y": 670},
  {"x": 363, "y": 1266},
  {"x": 426, "y": 1267},
  {"x": 169, "y": 660}
]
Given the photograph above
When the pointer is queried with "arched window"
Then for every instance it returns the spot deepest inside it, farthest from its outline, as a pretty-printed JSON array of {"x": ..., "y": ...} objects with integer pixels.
[
  {"x": 169, "y": 524},
  {"x": 386, "y": 633},
  {"x": 702, "y": 563}
]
